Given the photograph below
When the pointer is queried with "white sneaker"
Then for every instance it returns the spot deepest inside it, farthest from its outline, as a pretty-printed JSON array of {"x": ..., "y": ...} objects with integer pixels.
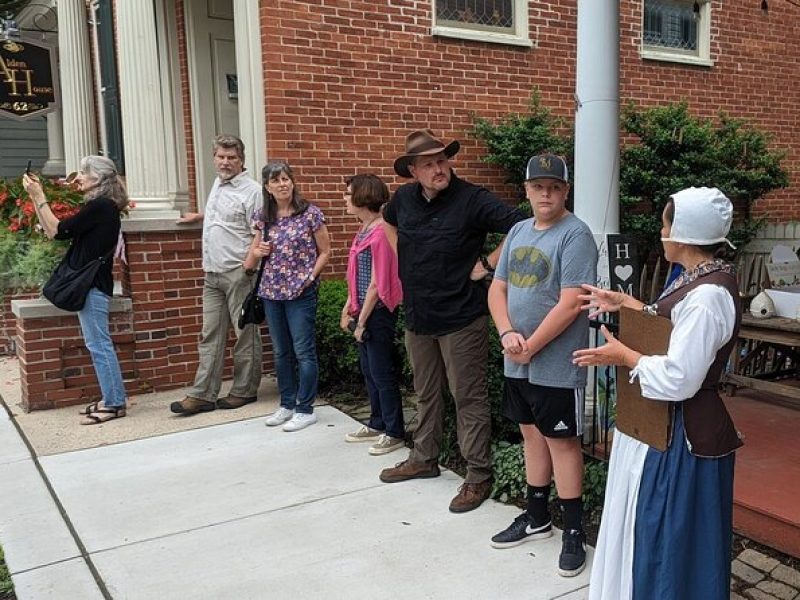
[
  {"x": 279, "y": 417},
  {"x": 300, "y": 421},
  {"x": 363, "y": 434},
  {"x": 386, "y": 444}
]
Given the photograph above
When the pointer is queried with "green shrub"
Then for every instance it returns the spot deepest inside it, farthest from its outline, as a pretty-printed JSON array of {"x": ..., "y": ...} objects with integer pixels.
[
  {"x": 508, "y": 466},
  {"x": 668, "y": 149},
  {"x": 516, "y": 137},
  {"x": 6, "y": 586},
  {"x": 594, "y": 488},
  {"x": 510, "y": 485},
  {"x": 673, "y": 150},
  {"x": 27, "y": 262},
  {"x": 338, "y": 354}
]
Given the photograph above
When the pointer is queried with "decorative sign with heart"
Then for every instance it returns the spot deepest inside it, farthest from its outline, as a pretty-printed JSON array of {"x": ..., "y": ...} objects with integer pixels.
[{"x": 623, "y": 264}]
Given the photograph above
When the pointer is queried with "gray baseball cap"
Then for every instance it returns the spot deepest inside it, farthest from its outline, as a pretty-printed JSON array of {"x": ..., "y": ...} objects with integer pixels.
[{"x": 547, "y": 166}]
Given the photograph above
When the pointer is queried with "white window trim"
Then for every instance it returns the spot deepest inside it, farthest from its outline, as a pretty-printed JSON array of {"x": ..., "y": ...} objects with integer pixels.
[
  {"x": 703, "y": 55},
  {"x": 520, "y": 39}
]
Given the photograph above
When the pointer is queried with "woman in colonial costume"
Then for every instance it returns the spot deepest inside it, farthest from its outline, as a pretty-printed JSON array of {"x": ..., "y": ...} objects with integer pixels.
[{"x": 667, "y": 519}]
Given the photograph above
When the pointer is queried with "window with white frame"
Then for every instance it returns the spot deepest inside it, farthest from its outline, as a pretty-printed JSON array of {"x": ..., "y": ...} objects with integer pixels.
[
  {"x": 501, "y": 21},
  {"x": 677, "y": 31}
]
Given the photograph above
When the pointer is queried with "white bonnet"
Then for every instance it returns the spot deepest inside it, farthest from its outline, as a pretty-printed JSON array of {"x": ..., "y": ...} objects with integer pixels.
[{"x": 702, "y": 217}]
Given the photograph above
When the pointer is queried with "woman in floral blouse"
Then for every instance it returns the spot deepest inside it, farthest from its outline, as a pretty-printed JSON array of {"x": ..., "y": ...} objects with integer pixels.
[{"x": 294, "y": 239}]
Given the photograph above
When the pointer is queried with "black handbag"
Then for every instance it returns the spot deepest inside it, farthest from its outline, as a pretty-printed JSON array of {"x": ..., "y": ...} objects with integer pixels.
[
  {"x": 252, "y": 310},
  {"x": 67, "y": 288}
]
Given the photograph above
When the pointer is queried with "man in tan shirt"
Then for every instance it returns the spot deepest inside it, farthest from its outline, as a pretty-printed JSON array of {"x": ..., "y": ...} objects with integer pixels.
[{"x": 227, "y": 235}]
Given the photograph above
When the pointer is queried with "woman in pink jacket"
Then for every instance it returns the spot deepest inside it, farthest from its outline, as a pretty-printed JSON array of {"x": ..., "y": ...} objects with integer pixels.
[{"x": 370, "y": 313}]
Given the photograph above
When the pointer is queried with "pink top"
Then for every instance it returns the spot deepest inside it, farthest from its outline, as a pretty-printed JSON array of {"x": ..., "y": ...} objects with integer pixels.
[{"x": 384, "y": 265}]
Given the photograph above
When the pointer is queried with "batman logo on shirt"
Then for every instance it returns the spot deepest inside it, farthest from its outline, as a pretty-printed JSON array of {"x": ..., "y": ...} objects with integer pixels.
[{"x": 528, "y": 267}]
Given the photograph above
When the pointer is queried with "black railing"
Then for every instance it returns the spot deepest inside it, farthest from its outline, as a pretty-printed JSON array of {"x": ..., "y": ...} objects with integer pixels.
[{"x": 600, "y": 409}]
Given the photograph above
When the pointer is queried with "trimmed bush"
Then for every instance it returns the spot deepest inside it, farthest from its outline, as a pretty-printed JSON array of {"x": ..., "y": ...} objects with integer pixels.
[{"x": 338, "y": 356}]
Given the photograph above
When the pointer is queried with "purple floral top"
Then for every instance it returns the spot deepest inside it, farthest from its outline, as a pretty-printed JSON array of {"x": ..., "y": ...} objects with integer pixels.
[{"x": 294, "y": 253}]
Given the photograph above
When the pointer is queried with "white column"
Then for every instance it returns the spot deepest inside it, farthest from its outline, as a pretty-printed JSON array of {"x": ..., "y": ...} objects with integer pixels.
[
  {"x": 143, "y": 124},
  {"x": 76, "y": 83},
  {"x": 250, "y": 76},
  {"x": 55, "y": 165},
  {"x": 597, "y": 116}
]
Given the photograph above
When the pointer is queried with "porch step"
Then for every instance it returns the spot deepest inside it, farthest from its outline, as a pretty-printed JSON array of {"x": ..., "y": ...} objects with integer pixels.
[{"x": 766, "y": 493}]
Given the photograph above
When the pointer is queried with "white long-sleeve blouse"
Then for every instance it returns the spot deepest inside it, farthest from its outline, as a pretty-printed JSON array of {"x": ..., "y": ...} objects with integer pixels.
[{"x": 702, "y": 322}]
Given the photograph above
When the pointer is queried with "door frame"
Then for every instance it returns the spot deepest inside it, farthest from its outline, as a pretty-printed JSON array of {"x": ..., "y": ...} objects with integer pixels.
[{"x": 200, "y": 80}]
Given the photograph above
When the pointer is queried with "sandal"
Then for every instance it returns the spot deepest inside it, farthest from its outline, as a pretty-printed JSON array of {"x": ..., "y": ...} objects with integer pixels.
[
  {"x": 102, "y": 415},
  {"x": 91, "y": 408}
]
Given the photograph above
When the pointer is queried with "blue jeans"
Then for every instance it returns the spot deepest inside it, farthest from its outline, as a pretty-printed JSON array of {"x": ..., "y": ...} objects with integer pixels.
[
  {"x": 378, "y": 367},
  {"x": 292, "y": 325},
  {"x": 94, "y": 325}
]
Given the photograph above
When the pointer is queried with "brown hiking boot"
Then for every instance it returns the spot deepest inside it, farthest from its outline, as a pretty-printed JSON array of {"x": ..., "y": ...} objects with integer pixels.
[
  {"x": 191, "y": 406},
  {"x": 232, "y": 401},
  {"x": 405, "y": 470},
  {"x": 470, "y": 496}
]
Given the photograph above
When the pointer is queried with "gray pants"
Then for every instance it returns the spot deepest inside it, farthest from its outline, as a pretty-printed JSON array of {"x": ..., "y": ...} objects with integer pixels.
[
  {"x": 457, "y": 360},
  {"x": 223, "y": 294}
]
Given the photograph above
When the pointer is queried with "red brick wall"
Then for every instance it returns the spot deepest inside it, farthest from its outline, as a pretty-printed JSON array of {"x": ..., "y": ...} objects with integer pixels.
[
  {"x": 345, "y": 80},
  {"x": 55, "y": 367}
]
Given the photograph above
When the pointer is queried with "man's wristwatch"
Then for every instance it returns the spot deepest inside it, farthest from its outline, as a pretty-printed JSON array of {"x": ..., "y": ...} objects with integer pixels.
[
  {"x": 249, "y": 271},
  {"x": 486, "y": 265}
]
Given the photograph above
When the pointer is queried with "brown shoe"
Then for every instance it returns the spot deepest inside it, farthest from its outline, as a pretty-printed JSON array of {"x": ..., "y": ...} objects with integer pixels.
[
  {"x": 232, "y": 401},
  {"x": 405, "y": 470},
  {"x": 191, "y": 406},
  {"x": 470, "y": 496}
]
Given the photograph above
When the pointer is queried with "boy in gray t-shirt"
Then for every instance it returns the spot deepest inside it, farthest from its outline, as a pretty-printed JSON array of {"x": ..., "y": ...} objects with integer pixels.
[{"x": 534, "y": 303}]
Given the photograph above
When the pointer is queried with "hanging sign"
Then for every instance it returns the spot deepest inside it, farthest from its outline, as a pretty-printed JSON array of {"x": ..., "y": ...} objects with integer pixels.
[{"x": 27, "y": 83}]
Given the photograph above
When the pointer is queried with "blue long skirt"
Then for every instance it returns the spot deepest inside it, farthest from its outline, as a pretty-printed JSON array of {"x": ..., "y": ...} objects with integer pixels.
[{"x": 666, "y": 528}]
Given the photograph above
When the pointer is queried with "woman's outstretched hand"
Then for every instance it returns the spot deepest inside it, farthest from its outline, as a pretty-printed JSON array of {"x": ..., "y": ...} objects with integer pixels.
[
  {"x": 600, "y": 301},
  {"x": 613, "y": 352}
]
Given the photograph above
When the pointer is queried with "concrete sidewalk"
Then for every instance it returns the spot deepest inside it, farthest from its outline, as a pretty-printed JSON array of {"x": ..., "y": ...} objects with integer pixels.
[{"x": 237, "y": 510}]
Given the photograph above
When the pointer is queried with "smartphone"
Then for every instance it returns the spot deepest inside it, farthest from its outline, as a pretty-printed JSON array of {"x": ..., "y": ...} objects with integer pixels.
[{"x": 28, "y": 168}]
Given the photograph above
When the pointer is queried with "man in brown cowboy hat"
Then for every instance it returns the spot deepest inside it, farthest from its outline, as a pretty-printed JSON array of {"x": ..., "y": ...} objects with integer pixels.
[{"x": 438, "y": 225}]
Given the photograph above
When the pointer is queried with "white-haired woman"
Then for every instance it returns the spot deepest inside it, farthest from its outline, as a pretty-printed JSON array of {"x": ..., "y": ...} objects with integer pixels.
[
  {"x": 94, "y": 232},
  {"x": 667, "y": 517}
]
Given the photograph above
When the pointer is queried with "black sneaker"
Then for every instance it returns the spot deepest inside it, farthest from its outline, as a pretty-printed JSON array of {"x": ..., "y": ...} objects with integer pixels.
[
  {"x": 521, "y": 530},
  {"x": 573, "y": 553}
]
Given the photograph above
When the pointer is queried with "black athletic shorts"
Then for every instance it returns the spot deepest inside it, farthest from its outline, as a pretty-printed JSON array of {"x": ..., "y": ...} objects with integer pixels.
[{"x": 556, "y": 412}]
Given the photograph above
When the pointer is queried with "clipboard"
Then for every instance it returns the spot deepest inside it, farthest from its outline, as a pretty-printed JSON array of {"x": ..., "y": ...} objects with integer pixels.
[{"x": 649, "y": 421}]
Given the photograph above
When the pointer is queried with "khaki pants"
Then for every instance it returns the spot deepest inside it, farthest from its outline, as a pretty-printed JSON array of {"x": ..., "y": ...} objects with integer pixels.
[
  {"x": 223, "y": 294},
  {"x": 457, "y": 360}
]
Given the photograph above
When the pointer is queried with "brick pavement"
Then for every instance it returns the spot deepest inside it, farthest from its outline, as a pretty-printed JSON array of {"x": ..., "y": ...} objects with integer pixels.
[{"x": 756, "y": 576}]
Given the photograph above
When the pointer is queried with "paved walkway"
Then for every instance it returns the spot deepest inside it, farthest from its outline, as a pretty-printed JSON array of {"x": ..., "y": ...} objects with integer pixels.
[
  {"x": 237, "y": 510},
  {"x": 218, "y": 506}
]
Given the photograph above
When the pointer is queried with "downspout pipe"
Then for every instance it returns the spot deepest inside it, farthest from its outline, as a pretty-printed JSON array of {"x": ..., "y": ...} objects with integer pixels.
[{"x": 597, "y": 118}]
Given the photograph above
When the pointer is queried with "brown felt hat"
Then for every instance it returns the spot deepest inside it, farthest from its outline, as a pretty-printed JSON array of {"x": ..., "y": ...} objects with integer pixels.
[{"x": 423, "y": 142}]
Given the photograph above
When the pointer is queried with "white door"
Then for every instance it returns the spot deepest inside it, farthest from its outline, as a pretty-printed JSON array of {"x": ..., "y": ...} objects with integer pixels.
[{"x": 212, "y": 82}]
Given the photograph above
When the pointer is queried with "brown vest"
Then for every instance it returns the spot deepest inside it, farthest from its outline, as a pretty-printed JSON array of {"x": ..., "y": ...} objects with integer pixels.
[{"x": 709, "y": 429}]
